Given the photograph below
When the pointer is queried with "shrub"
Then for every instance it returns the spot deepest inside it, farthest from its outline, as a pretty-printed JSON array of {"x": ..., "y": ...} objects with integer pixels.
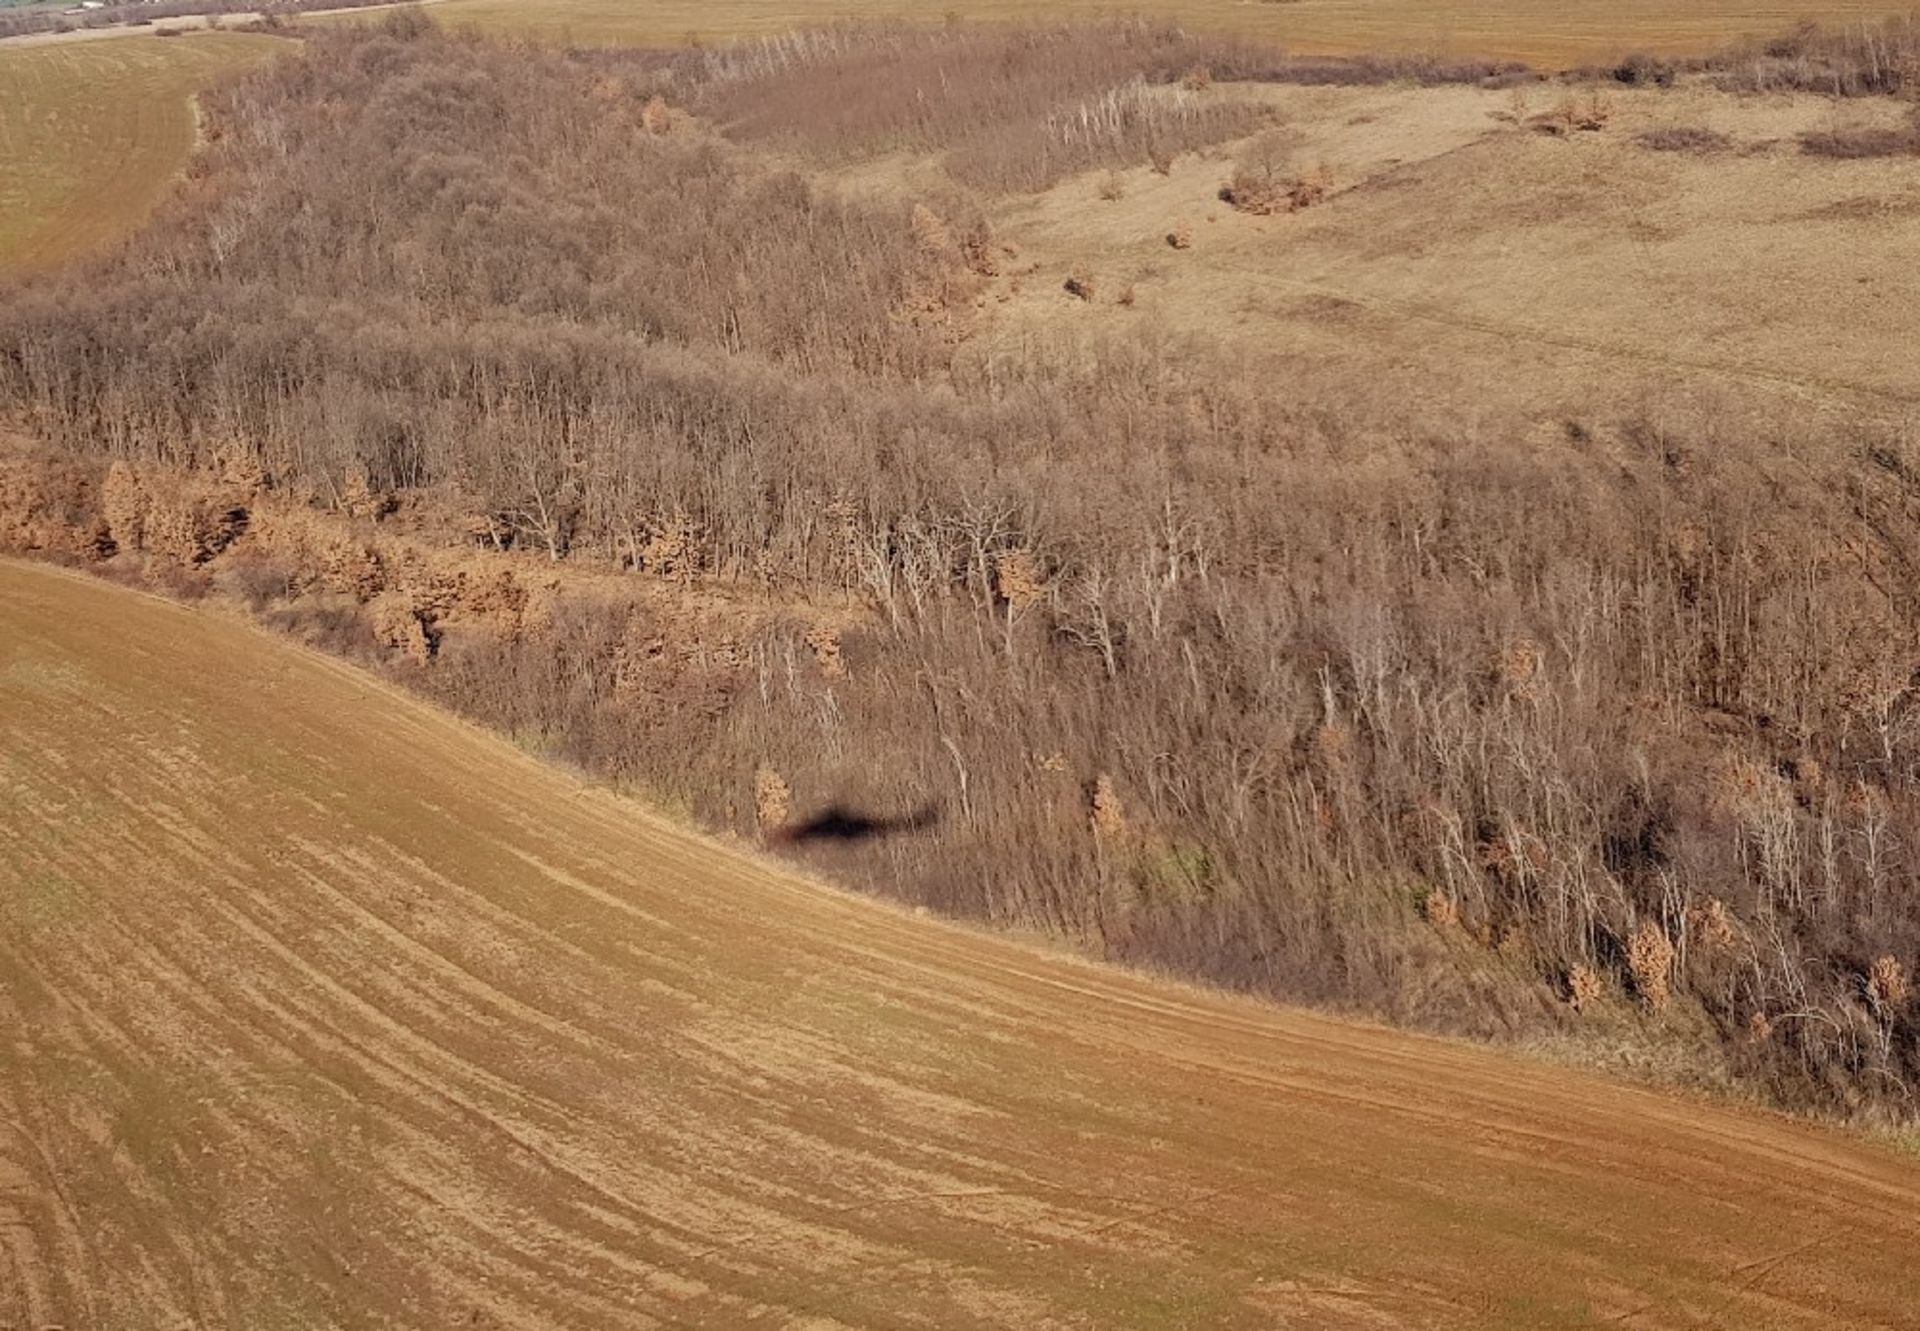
[
  {"x": 1852, "y": 60},
  {"x": 1106, "y": 814},
  {"x": 1888, "y": 987},
  {"x": 1864, "y": 142},
  {"x": 1591, "y": 113},
  {"x": 772, "y": 799},
  {"x": 1588, "y": 114},
  {"x": 1642, "y": 70},
  {"x": 1684, "y": 139},
  {"x": 1650, "y": 959},
  {"x": 1265, "y": 193},
  {"x": 1585, "y": 987}
]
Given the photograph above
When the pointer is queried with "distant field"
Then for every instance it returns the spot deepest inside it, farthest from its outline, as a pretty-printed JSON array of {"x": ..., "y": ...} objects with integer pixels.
[
  {"x": 91, "y": 132},
  {"x": 1547, "y": 34}
]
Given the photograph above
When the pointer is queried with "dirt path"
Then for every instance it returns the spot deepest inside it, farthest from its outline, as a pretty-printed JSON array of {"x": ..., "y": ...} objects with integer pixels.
[{"x": 320, "y": 1008}]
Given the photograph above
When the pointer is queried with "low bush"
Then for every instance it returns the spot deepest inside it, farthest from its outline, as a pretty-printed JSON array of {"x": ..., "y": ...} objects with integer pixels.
[
  {"x": 1643, "y": 70},
  {"x": 1684, "y": 139},
  {"x": 1864, "y": 141},
  {"x": 1265, "y": 181}
]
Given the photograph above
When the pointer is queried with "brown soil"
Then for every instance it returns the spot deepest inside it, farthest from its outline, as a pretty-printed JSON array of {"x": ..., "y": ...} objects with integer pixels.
[{"x": 321, "y": 1008}]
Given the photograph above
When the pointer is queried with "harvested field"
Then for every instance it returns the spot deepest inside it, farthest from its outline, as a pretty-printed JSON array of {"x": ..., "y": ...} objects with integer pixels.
[
  {"x": 92, "y": 132},
  {"x": 1549, "y": 36},
  {"x": 324, "y": 1009}
]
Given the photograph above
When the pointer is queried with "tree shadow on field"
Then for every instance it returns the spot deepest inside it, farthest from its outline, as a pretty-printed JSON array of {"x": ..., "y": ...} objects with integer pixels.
[{"x": 839, "y": 824}]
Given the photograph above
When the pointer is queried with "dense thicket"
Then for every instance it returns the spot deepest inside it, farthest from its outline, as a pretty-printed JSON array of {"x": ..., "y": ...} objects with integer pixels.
[
  {"x": 1269, "y": 683},
  {"x": 1868, "y": 58},
  {"x": 1014, "y": 106},
  {"x": 1845, "y": 60}
]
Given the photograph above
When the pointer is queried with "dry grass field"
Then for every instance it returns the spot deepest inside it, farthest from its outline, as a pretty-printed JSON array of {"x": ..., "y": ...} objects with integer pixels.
[
  {"x": 322, "y": 1008},
  {"x": 1486, "y": 269},
  {"x": 1551, "y": 35},
  {"x": 91, "y": 132}
]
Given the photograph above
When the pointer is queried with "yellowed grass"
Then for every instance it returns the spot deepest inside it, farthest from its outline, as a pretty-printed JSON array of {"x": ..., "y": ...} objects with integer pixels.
[
  {"x": 91, "y": 132},
  {"x": 1556, "y": 34},
  {"x": 1474, "y": 265}
]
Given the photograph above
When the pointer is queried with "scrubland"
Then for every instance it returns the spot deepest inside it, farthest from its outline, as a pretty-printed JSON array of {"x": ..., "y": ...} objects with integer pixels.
[{"x": 903, "y": 418}]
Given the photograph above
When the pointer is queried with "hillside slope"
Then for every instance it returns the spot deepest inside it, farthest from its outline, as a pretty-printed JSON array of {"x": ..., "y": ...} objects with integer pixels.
[{"x": 320, "y": 1008}]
